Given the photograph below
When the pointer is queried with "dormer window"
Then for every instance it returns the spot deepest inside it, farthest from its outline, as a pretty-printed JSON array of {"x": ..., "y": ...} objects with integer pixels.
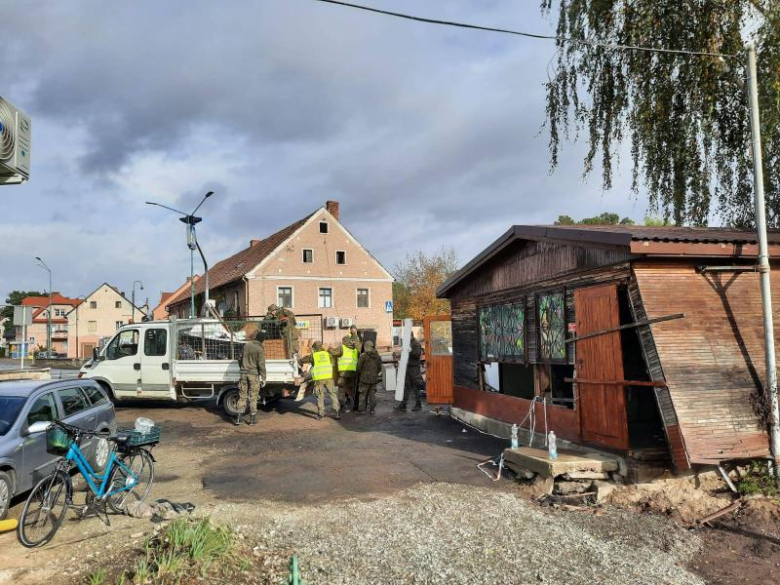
[{"x": 323, "y": 227}]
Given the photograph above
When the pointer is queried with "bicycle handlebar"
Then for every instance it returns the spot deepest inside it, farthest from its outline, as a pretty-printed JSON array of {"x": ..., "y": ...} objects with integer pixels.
[{"x": 70, "y": 429}]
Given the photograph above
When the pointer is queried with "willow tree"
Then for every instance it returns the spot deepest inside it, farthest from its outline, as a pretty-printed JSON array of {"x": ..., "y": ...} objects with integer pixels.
[{"x": 684, "y": 117}]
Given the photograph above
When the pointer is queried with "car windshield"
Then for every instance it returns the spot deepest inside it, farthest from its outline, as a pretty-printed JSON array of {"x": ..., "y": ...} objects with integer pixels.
[{"x": 10, "y": 406}]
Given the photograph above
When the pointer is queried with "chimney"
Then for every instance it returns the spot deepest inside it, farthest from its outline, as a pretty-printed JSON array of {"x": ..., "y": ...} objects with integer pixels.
[
  {"x": 333, "y": 208},
  {"x": 253, "y": 243}
]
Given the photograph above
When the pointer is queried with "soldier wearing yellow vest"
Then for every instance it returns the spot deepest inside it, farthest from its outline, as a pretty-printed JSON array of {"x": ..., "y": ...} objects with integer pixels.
[
  {"x": 347, "y": 373},
  {"x": 322, "y": 362}
]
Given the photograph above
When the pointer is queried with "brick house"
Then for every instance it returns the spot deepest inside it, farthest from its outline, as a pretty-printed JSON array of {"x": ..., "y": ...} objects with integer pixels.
[
  {"x": 160, "y": 312},
  {"x": 100, "y": 314},
  {"x": 314, "y": 267}
]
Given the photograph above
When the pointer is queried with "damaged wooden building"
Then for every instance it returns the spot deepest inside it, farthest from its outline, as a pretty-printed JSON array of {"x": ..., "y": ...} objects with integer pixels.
[{"x": 641, "y": 341}]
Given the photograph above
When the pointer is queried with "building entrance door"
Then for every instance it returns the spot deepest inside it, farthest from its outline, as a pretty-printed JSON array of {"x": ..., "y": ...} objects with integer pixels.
[
  {"x": 602, "y": 404},
  {"x": 438, "y": 359}
]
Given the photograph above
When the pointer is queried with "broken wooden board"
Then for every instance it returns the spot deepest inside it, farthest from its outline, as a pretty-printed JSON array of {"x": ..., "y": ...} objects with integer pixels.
[{"x": 538, "y": 461}]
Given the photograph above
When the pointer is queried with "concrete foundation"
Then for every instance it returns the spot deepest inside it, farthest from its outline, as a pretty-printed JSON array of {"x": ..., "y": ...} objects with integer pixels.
[{"x": 538, "y": 461}]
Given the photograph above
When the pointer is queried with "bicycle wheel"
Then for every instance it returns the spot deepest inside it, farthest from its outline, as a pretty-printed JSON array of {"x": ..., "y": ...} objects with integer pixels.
[
  {"x": 44, "y": 510},
  {"x": 140, "y": 462}
]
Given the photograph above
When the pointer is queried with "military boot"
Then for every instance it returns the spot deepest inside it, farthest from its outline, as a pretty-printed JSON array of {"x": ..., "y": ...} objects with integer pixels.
[
  {"x": 238, "y": 420},
  {"x": 252, "y": 420},
  {"x": 401, "y": 407},
  {"x": 417, "y": 407},
  {"x": 371, "y": 411},
  {"x": 338, "y": 415}
]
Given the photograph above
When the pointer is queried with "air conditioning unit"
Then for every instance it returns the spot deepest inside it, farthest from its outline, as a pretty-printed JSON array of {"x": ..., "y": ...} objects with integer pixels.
[
  {"x": 15, "y": 133},
  {"x": 346, "y": 323},
  {"x": 331, "y": 322}
]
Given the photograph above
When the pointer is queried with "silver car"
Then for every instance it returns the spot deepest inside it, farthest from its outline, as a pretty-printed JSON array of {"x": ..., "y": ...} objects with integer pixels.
[{"x": 23, "y": 457}]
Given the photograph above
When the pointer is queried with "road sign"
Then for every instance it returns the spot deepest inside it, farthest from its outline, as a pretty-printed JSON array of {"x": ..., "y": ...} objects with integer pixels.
[
  {"x": 22, "y": 316},
  {"x": 388, "y": 306}
]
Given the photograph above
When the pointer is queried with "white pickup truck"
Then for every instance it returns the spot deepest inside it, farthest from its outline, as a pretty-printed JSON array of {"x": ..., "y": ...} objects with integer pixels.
[{"x": 184, "y": 360}]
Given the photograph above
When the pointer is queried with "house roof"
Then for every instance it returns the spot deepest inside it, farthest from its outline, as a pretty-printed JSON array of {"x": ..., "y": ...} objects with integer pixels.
[
  {"x": 609, "y": 235},
  {"x": 239, "y": 264},
  {"x": 43, "y": 301},
  {"x": 180, "y": 293},
  {"x": 113, "y": 288}
]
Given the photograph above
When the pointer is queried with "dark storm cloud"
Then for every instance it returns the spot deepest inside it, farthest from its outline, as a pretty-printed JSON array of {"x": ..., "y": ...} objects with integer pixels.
[{"x": 429, "y": 137}]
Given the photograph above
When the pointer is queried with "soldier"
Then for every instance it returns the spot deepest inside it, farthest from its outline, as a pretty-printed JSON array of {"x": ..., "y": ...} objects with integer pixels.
[
  {"x": 252, "y": 377},
  {"x": 413, "y": 383},
  {"x": 288, "y": 329},
  {"x": 368, "y": 372},
  {"x": 355, "y": 337},
  {"x": 347, "y": 364},
  {"x": 322, "y": 362}
]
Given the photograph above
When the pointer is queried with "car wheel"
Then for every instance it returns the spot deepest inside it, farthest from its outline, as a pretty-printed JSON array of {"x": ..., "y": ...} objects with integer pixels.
[
  {"x": 230, "y": 402},
  {"x": 6, "y": 492}
]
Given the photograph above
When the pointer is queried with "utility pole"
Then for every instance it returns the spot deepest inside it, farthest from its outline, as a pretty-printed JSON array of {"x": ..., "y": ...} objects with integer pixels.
[
  {"x": 42, "y": 264},
  {"x": 763, "y": 260},
  {"x": 132, "y": 318}
]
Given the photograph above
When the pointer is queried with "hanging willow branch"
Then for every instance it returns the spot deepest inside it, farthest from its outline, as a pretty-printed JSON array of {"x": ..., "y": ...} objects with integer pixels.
[{"x": 685, "y": 117}]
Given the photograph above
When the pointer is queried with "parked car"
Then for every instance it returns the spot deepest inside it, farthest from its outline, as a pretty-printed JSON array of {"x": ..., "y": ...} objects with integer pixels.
[{"x": 26, "y": 408}]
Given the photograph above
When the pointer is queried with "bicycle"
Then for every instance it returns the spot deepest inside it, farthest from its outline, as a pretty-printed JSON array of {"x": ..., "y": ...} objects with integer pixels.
[{"x": 129, "y": 473}]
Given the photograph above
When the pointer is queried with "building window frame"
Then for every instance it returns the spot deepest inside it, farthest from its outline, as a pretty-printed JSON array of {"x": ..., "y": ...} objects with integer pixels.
[
  {"x": 119, "y": 324},
  {"x": 343, "y": 257},
  {"x": 118, "y": 304},
  {"x": 311, "y": 256},
  {"x": 324, "y": 228},
  {"x": 292, "y": 297},
  {"x": 92, "y": 326},
  {"x": 93, "y": 304},
  {"x": 322, "y": 301},
  {"x": 368, "y": 298}
]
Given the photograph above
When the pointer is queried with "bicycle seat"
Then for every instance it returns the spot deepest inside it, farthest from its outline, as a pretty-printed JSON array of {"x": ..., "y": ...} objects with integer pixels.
[{"x": 120, "y": 439}]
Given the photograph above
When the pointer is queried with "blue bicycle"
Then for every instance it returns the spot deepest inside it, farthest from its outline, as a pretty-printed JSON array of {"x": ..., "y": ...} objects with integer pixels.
[{"x": 128, "y": 476}]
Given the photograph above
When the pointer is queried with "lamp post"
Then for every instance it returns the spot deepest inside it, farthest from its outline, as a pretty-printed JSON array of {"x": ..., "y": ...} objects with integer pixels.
[
  {"x": 42, "y": 264},
  {"x": 132, "y": 318},
  {"x": 192, "y": 243}
]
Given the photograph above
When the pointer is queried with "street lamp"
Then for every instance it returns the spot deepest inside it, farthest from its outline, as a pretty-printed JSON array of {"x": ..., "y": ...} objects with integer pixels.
[
  {"x": 192, "y": 243},
  {"x": 42, "y": 264},
  {"x": 83, "y": 298},
  {"x": 133, "y": 298}
]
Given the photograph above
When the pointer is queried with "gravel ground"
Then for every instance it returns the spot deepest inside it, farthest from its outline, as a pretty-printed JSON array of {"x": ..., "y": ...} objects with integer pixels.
[{"x": 445, "y": 533}]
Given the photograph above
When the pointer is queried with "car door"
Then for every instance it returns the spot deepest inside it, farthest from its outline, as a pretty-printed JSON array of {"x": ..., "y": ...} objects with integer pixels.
[
  {"x": 37, "y": 463},
  {"x": 121, "y": 365},
  {"x": 102, "y": 408},
  {"x": 155, "y": 362}
]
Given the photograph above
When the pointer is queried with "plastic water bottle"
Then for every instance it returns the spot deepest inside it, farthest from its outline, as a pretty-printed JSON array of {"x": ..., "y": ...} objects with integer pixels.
[
  {"x": 515, "y": 443},
  {"x": 552, "y": 445}
]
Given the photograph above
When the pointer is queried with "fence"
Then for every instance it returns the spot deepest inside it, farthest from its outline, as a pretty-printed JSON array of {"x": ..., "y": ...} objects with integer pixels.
[{"x": 224, "y": 339}]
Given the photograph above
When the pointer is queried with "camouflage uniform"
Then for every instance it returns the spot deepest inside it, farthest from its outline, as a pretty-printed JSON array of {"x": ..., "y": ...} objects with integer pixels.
[
  {"x": 413, "y": 382},
  {"x": 324, "y": 385},
  {"x": 347, "y": 378},
  {"x": 368, "y": 371},
  {"x": 287, "y": 327},
  {"x": 252, "y": 374}
]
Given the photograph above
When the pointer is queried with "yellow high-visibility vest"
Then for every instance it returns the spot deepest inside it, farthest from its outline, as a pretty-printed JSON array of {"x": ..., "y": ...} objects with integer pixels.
[
  {"x": 348, "y": 360},
  {"x": 322, "y": 368}
]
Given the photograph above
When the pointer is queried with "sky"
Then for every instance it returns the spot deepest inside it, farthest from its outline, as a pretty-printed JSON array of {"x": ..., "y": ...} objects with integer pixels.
[{"x": 429, "y": 137}]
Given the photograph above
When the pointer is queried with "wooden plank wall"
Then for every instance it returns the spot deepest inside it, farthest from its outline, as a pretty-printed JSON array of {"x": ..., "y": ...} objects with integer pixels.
[{"x": 713, "y": 359}]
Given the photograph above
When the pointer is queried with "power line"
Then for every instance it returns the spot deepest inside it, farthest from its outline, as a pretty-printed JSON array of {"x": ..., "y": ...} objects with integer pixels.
[{"x": 612, "y": 46}]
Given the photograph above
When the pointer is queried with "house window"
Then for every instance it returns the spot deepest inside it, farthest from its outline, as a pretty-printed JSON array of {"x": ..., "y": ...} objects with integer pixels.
[
  {"x": 341, "y": 257},
  {"x": 118, "y": 305},
  {"x": 552, "y": 326},
  {"x": 93, "y": 304},
  {"x": 326, "y": 298},
  {"x": 553, "y": 384},
  {"x": 308, "y": 256},
  {"x": 502, "y": 332},
  {"x": 362, "y": 298},
  {"x": 92, "y": 326},
  {"x": 323, "y": 227},
  {"x": 284, "y": 296},
  {"x": 59, "y": 312},
  {"x": 119, "y": 324}
]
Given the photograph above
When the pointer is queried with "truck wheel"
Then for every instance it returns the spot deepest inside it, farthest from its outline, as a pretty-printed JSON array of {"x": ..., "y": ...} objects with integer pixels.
[{"x": 230, "y": 403}]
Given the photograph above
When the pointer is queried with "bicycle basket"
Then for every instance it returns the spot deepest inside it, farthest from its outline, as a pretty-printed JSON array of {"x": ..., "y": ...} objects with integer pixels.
[
  {"x": 57, "y": 441},
  {"x": 136, "y": 439}
]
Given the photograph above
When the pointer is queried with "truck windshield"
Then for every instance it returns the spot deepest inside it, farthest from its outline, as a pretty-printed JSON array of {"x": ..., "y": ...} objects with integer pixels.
[{"x": 10, "y": 406}]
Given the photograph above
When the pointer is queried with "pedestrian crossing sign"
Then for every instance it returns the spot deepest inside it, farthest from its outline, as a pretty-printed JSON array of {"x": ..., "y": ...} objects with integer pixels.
[{"x": 388, "y": 306}]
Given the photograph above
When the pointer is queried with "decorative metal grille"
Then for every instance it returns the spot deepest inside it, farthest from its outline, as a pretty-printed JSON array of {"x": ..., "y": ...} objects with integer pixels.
[
  {"x": 502, "y": 331},
  {"x": 552, "y": 326}
]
